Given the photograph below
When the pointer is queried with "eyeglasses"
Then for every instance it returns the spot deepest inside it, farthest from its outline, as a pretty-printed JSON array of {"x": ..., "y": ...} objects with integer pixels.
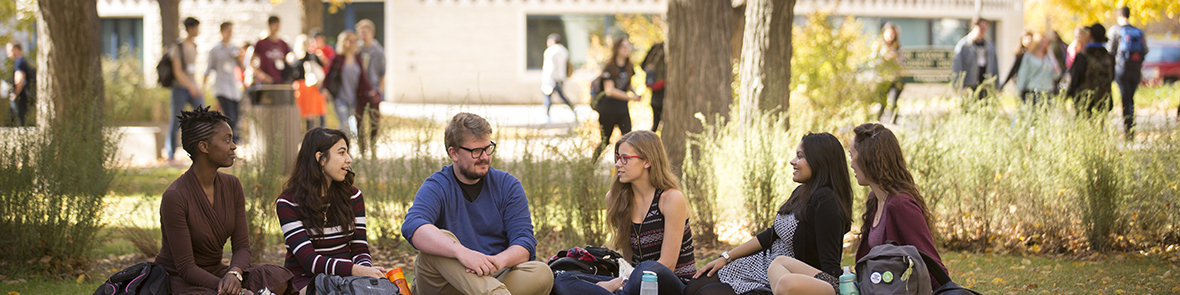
[
  {"x": 477, "y": 152},
  {"x": 624, "y": 159}
]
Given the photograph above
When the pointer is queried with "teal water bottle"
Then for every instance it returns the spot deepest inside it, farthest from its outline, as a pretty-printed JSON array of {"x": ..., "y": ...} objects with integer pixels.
[
  {"x": 848, "y": 283},
  {"x": 649, "y": 285}
]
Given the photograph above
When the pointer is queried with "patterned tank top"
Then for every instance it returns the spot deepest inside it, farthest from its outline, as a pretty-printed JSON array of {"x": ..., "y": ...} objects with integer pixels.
[{"x": 647, "y": 239}]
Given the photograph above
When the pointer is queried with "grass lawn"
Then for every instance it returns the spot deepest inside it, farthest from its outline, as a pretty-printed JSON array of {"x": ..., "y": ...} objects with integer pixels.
[{"x": 986, "y": 273}]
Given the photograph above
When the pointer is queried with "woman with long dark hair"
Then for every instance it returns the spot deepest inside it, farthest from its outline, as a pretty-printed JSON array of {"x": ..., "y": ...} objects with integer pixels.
[
  {"x": 648, "y": 217},
  {"x": 616, "y": 83},
  {"x": 322, "y": 214},
  {"x": 800, "y": 253},
  {"x": 202, "y": 209},
  {"x": 891, "y": 67},
  {"x": 894, "y": 210}
]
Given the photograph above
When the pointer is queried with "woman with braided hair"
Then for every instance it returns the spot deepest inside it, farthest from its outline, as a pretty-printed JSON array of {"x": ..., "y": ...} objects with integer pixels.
[{"x": 203, "y": 208}]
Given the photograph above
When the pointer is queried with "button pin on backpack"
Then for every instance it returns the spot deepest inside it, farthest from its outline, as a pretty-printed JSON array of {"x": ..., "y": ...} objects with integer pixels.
[
  {"x": 887, "y": 277},
  {"x": 875, "y": 277}
]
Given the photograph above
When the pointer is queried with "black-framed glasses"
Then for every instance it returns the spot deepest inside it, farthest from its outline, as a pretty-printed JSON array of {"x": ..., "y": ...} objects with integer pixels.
[
  {"x": 624, "y": 159},
  {"x": 477, "y": 152}
]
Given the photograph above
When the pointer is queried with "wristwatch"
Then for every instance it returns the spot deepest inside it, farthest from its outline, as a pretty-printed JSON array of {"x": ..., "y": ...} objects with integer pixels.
[
  {"x": 725, "y": 255},
  {"x": 236, "y": 274}
]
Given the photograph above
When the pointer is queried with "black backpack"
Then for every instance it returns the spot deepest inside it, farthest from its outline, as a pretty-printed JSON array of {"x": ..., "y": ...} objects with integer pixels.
[
  {"x": 146, "y": 278},
  {"x": 164, "y": 73},
  {"x": 596, "y": 93},
  {"x": 324, "y": 284},
  {"x": 591, "y": 260}
]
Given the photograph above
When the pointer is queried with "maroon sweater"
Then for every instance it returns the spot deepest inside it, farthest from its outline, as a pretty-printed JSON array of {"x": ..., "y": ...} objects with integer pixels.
[{"x": 903, "y": 222}]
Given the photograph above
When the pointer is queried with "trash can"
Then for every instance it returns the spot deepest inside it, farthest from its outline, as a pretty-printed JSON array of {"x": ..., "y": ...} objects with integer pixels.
[{"x": 277, "y": 120}]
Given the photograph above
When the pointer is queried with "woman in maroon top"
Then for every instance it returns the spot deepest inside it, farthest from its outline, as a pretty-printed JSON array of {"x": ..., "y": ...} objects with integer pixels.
[
  {"x": 322, "y": 215},
  {"x": 203, "y": 208},
  {"x": 894, "y": 209}
]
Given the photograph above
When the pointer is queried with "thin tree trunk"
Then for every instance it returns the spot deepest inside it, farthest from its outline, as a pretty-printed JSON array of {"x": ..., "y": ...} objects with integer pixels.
[
  {"x": 169, "y": 21},
  {"x": 764, "y": 70},
  {"x": 699, "y": 81},
  {"x": 313, "y": 15}
]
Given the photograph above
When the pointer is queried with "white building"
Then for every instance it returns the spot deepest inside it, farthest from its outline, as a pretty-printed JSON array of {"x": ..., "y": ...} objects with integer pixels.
[{"x": 487, "y": 51}]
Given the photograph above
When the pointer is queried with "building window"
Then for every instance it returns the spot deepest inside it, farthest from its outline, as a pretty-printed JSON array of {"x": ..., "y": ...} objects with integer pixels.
[
  {"x": 122, "y": 36},
  {"x": 578, "y": 30}
]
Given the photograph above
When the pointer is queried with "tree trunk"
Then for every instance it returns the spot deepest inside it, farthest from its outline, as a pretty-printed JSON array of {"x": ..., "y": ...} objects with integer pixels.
[
  {"x": 313, "y": 15},
  {"x": 169, "y": 22},
  {"x": 764, "y": 71},
  {"x": 70, "y": 69},
  {"x": 699, "y": 78}
]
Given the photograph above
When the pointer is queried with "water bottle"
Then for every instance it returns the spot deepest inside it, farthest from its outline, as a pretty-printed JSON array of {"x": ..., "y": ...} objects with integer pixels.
[
  {"x": 649, "y": 285},
  {"x": 848, "y": 283},
  {"x": 399, "y": 279}
]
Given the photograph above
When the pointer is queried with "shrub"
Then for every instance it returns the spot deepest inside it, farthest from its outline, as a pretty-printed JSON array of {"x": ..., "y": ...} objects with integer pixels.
[{"x": 127, "y": 99}]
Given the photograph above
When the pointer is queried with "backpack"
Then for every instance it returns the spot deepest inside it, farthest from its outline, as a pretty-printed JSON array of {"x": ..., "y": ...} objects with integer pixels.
[
  {"x": 596, "y": 93},
  {"x": 324, "y": 284},
  {"x": 590, "y": 260},
  {"x": 164, "y": 74},
  {"x": 1131, "y": 48},
  {"x": 893, "y": 269},
  {"x": 146, "y": 278}
]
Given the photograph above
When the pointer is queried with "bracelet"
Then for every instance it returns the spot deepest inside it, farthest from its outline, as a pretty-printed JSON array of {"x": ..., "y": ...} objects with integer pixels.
[{"x": 236, "y": 274}]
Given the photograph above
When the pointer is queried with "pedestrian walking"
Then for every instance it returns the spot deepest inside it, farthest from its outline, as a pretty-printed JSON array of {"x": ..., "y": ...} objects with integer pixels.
[
  {"x": 224, "y": 61},
  {"x": 890, "y": 68},
  {"x": 1129, "y": 46},
  {"x": 655, "y": 66},
  {"x": 554, "y": 70},
  {"x": 975, "y": 60},
  {"x": 616, "y": 84},
  {"x": 185, "y": 89}
]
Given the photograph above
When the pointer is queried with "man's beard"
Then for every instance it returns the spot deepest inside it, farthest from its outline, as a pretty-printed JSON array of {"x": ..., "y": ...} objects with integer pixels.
[{"x": 470, "y": 174}]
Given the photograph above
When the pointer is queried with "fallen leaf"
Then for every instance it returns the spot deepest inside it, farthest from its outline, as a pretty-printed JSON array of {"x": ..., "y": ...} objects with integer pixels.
[
  {"x": 13, "y": 293},
  {"x": 999, "y": 281},
  {"x": 80, "y": 278}
]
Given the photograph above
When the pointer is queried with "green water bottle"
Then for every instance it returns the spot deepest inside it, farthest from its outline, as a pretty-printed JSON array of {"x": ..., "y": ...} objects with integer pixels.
[{"x": 848, "y": 283}]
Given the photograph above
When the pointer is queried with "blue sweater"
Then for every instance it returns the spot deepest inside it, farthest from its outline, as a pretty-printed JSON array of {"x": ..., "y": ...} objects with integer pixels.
[{"x": 496, "y": 220}]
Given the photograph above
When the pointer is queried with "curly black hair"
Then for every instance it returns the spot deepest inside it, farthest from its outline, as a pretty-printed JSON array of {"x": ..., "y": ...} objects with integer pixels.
[{"x": 197, "y": 126}]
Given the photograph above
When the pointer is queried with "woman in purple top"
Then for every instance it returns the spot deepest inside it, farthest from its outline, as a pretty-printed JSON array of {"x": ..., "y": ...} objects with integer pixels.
[{"x": 894, "y": 209}]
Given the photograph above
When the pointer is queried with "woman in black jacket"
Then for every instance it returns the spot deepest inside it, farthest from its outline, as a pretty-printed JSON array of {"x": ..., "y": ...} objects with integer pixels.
[{"x": 808, "y": 228}]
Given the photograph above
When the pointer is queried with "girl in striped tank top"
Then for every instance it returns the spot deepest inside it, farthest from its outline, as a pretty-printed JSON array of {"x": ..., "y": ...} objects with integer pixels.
[
  {"x": 649, "y": 219},
  {"x": 322, "y": 215}
]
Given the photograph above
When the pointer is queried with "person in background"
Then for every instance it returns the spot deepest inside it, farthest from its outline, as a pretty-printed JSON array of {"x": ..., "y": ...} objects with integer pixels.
[
  {"x": 1128, "y": 44},
  {"x": 471, "y": 223},
  {"x": 891, "y": 67},
  {"x": 270, "y": 55},
  {"x": 23, "y": 84},
  {"x": 322, "y": 214},
  {"x": 224, "y": 60},
  {"x": 1025, "y": 42},
  {"x": 1057, "y": 50},
  {"x": 201, "y": 210},
  {"x": 975, "y": 60},
  {"x": 1091, "y": 74},
  {"x": 553, "y": 72},
  {"x": 321, "y": 49},
  {"x": 806, "y": 240},
  {"x": 346, "y": 81},
  {"x": 895, "y": 209},
  {"x": 1037, "y": 72},
  {"x": 616, "y": 84},
  {"x": 309, "y": 75},
  {"x": 1081, "y": 36},
  {"x": 648, "y": 217},
  {"x": 655, "y": 66},
  {"x": 373, "y": 63},
  {"x": 185, "y": 90}
]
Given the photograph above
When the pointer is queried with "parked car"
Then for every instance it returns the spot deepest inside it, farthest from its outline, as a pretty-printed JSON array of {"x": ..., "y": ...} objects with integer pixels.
[{"x": 1162, "y": 63}]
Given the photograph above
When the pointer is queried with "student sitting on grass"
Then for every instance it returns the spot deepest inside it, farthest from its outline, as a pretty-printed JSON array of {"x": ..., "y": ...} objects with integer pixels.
[
  {"x": 800, "y": 254},
  {"x": 894, "y": 209},
  {"x": 645, "y": 208},
  {"x": 322, "y": 214},
  {"x": 203, "y": 208}
]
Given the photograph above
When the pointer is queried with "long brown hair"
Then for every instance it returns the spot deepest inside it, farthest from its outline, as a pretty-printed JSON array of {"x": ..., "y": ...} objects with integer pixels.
[
  {"x": 618, "y": 210},
  {"x": 881, "y": 161},
  {"x": 825, "y": 156},
  {"x": 308, "y": 180}
]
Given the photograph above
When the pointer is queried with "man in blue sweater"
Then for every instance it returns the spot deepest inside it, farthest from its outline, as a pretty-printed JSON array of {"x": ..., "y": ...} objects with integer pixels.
[{"x": 472, "y": 224}]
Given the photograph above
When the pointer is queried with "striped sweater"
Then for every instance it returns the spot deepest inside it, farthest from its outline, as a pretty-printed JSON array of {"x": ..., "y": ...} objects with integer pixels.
[{"x": 332, "y": 252}]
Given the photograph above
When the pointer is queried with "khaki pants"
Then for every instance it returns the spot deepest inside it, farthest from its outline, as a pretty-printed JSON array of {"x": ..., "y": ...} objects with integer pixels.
[{"x": 442, "y": 275}]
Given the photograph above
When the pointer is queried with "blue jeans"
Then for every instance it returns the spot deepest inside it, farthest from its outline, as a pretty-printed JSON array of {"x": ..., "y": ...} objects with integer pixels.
[
  {"x": 561, "y": 93},
  {"x": 579, "y": 283},
  {"x": 344, "y": 111},
  {"x": 180, "y": 97},
  {"x": 231, "y": 109}
]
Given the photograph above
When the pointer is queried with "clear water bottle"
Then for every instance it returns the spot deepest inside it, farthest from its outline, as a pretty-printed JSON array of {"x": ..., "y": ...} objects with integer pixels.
[
  {"x": 848, "y": 283},
  {"x": 649, "y": 285}
]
